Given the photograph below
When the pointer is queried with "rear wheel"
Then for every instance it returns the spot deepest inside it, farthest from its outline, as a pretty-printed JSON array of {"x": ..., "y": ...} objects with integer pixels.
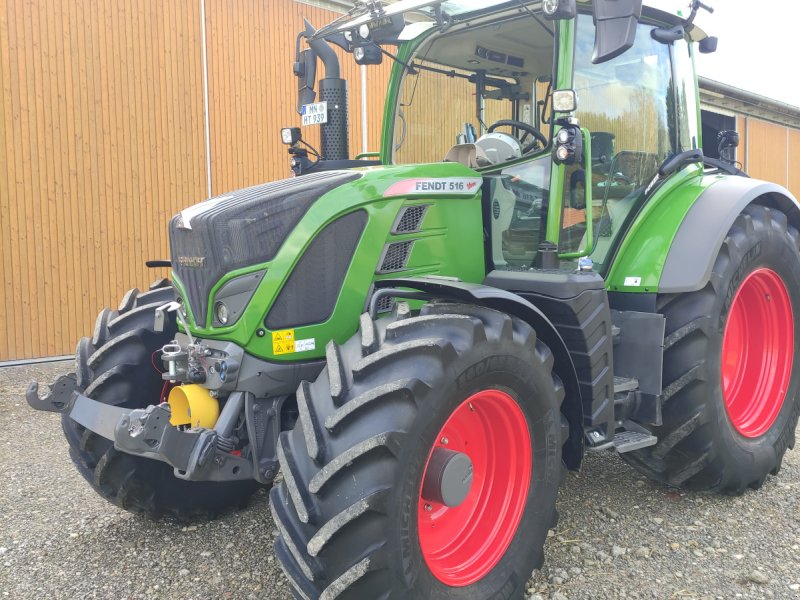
[
  {"x": 731, "y": 372},
  {"x": 426, "y": 461},
  {"x": 117, "y": 366}
]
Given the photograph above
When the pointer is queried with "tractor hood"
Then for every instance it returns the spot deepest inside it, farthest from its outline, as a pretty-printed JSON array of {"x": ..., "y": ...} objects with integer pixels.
[{"x": 239, "y": 229}]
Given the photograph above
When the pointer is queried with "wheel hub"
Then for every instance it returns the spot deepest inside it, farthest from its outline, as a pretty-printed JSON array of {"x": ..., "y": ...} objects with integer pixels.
[
  {"x": 448, "y": 478},
  {"x": 757, "y": 353},
  {"x": 475, "y": 488}
]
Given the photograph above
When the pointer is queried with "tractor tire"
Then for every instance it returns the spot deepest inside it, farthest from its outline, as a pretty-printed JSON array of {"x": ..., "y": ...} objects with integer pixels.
[
  {"x": 731, "y": 373},
  {"x": 353, "y": 519},
  {"x": 117, "y": 366}
]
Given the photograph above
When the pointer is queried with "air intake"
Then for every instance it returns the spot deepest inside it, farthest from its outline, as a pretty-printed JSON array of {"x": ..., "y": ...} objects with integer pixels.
[
  {"x": 395, "y": 256},
  {"x": 409, "y": 220},
  {"x": 309, "y": 295}
]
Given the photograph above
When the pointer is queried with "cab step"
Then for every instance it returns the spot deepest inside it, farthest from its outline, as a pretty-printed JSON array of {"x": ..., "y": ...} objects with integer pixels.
[
  {"x": 625, "y": 384},
  {"x": 627, "y": 441}
]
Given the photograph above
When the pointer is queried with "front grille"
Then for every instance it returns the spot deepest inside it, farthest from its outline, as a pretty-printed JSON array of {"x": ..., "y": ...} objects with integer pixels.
[
  {"x": 239, "y": 229},
  {"x": 410, "y": 219},
  {"x": 309, "y": 295},
  {"x": 395, "y": 256}
]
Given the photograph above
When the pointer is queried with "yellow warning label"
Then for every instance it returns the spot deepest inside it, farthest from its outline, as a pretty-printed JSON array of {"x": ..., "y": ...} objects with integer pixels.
[{"x": 283, "y": 341}]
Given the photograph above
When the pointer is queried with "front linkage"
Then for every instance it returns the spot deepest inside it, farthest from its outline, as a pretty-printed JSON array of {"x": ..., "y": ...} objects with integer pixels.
[{"x": 188, "y": 432}]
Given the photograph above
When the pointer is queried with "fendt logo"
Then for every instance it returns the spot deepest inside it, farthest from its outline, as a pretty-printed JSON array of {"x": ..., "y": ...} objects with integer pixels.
[{"x": 195, "y": 262}]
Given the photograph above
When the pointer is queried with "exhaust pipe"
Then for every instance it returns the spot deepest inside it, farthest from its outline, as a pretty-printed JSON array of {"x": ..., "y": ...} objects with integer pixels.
[{"x": 333, "y": 90}]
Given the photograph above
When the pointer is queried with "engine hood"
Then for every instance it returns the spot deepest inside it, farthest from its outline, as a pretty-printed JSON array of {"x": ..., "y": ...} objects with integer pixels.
[{"x": 240, "y": 228}]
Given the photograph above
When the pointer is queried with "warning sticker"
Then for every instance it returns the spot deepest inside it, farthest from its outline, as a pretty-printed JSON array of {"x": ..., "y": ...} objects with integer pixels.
[
  {"x": 633, "y": 281},
  {"x": 283, "y": 341}
]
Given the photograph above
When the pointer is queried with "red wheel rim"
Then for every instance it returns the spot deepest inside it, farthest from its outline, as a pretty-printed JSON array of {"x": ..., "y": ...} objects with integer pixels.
[
  {"x": 462, "y": 544},
  {"x": 757, "y": 353}
]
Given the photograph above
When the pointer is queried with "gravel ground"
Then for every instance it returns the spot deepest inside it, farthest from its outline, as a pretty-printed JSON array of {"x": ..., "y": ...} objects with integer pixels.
[{"x": 58, "y": 539}]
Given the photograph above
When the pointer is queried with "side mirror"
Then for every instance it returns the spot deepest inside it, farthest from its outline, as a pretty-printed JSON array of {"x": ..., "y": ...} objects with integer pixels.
[
  {"x": 708, "y": 45},
  {"x": 305, "y": 69},
  {"x": 615, "y": 27},
  {"x": 728, "y": 142}
]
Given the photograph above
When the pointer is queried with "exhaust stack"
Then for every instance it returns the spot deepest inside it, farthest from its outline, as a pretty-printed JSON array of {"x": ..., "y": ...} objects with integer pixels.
[{"x": 333, "y": 90}]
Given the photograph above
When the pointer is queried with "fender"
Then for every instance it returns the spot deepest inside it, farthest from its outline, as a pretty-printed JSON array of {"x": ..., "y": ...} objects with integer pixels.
[
  {"x": 510, "y": 303},
  {"x": 700, "y": 236}
]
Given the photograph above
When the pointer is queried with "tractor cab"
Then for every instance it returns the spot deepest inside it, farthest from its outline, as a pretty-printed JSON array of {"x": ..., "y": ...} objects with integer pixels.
[{"x": 567, "y": 111}]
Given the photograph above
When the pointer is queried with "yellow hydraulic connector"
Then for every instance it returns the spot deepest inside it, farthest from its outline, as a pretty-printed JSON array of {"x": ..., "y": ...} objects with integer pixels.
[{"x": 192, "y": 405}]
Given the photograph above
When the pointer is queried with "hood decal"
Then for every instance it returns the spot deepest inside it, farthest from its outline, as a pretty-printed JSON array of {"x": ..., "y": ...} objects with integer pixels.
[{"x": 435, "y": 186}]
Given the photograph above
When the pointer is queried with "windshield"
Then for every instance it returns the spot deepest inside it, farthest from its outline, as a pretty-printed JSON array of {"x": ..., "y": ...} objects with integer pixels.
[{"x": 463, "y": 82}]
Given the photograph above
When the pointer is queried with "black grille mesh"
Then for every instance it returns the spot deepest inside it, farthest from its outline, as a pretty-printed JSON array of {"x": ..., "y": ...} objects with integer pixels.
[
  {"x": 385, "y": 304},
  {"x": 309, "y": 295},
  {"x": 242, "y": 228},
  {"x": 410, "y": 219},
  {"x": 395, "y": 256}
]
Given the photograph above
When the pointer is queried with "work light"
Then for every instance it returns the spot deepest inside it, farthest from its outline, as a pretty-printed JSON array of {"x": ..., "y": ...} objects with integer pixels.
[
  {"x": 290, "y": 135},
  {"x": 559, "y": 9}
]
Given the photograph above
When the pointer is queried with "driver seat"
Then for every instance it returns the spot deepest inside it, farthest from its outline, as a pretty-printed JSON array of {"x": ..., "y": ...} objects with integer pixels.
[{"x": 469, "y": 155}]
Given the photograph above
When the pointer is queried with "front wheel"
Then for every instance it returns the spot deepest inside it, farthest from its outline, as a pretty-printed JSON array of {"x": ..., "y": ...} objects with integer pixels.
[
  {"x": 425, "y": 463},
  {"x": 731, "y": 372}
]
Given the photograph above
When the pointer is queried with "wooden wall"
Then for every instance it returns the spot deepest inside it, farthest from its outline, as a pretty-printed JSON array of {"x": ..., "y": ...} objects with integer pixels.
[
  {"x": 102, "y": 139},
  {"x": 770, "y": 151}
]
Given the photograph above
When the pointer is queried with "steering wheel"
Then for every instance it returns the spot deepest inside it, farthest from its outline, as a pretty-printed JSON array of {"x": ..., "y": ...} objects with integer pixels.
[{"x": 528, "y": 129}]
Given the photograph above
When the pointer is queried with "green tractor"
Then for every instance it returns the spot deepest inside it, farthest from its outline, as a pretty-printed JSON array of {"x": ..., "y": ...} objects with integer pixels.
[{"x": 539, "y": 263}]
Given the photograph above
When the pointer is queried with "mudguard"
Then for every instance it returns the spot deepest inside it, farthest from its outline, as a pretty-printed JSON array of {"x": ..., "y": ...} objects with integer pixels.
[
  {"x": 510, "y": 303},
  {"x": 695, "y": 246}
]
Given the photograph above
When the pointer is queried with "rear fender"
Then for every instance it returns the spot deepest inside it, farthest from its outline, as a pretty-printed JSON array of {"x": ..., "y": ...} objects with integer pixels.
[
  {"x": 700, "y": 236},
  {"x": 510, "y": 303}
]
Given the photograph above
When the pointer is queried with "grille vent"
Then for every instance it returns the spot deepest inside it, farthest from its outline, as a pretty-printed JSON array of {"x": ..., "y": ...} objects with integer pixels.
[
  {"x": 310, "y": 294},
  {"x": 410, "y": 219},
  {"x": 385, "y": 304},
  {"x": 395, "y": 256}
]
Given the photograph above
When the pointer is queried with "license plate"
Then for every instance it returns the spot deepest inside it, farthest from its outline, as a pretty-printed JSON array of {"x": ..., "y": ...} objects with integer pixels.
[{"x": 315, "y": 114}]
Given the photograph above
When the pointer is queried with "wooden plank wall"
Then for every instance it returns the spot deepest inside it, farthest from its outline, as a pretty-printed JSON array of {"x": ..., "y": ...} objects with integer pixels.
[
  {"x": 252, "y": 94},
  {"x": 102, "y": 139},
  {"x": 770, "y": 151}
]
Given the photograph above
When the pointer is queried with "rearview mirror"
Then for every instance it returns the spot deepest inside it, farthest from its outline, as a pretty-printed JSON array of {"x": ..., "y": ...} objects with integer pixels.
[
  {"x": 305, "y": 69},
  {"x": 615, "y": 27}
]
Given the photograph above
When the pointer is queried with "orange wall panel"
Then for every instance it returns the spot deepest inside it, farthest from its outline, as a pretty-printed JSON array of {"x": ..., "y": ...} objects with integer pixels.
[
  {"x": 101, "y": 142},
  {"x": 767, "y": 151},
  {"x": 794, "y": 162}
]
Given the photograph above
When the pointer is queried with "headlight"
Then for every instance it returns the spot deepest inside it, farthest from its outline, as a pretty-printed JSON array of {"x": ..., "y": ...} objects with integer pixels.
[
  {"x": 221, "y": 312},
  {"x": 233, "y": 297},
  {"x": 550, "y": 7},
  {"x": 559, "y": 9}
]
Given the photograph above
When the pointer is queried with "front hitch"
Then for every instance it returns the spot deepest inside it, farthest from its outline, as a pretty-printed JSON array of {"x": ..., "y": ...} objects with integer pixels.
[
  {"x": 57, "y": 398},
  {"x": 196, "y": 454}
]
